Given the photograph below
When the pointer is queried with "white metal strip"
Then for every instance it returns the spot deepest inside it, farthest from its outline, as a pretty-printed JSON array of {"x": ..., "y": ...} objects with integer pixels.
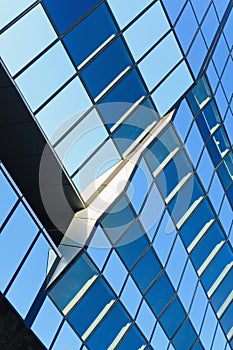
[
  {"x": 119, "y": 336},
  {"x": 94, "y": 53},
  {"x": 230, "y": 334},
  {"x": 177, "y": 188},
  {"x": 220, "y": 278},
  {"x": 189, "y": 212},
  {"x": 79, "y": 295},
  {"x": 95, "y": 323},
  {"x": 210, "y": 258},
  {"x": 200, "y": 235},
  {"x": 225, "y": 305},
  {"x": 204, "y": 102},
  {"x": 130, "y": 110},
  {"x": 111, "y": 84}
]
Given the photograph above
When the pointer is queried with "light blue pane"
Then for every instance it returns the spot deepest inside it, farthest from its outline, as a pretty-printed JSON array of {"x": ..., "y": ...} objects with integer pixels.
[
  {"x": 226, "y": 78},
  {"x": 208, "y": 328},
  {"x": 125, "y": 11},
  {"x": 47, "y": 322},
  {"x": 146, "y": 319},
  {"x": 216, "y": 193},
  {"x": 194, "y": 144},
  {"x": 176, "y": 262},
  {"x": 210, "y": 25},
  {"x": 228, "y": 126},
  {"x": 131, "y": 297},
  {"x": 147, "y": 30},
  {"x": 88, "y": 35},
  {"x": 11, "y": 8},
  {"x": 221, "y": 100},
  {"x": 220, "y": 54},
  {"x": 152, "y": 210},
  {"x": 15, "y": 239},
  {"x": 73, "y": 150},
  {"x": 197, "y": 54},
  {"x": 200, "y": 8},
  {"x": 212, "y": 76},
  {"x": 174, "y": 8},
  {"x": 115, "y": 272},
  {"x": 173, "y": 317},
  {"x": 228, "y": 29},
  {"x": 159, "y": 340},
  {"x": 99, "y": 247},
  {"x": 198, "y": 308},
  {"x": 27, "y": 43},
  {"x": 164, "y": 238},
  {"x": 45, "y": 76},
  {"x": 225, "y": 215},
  {"x": 64, "y": 110},
  {"x": 219, "y": 339},
  {"x": 102, "y": 161},
  {"x": 9, "y": 196},
  {"x": 30, "y": 278},
  {"x": 139, "y": 186},
  {"x": 160, "y": 61},
  {"x": 220, "y": 7},
  {"x": 67, "y": 339},
  {"x": 172, "y": 88},
  {"x": 205, "y": 169},
  {"x": 188, "y": 285},
  {"x": 183, "y": 119},
  {"x": 186, "y": 27}
]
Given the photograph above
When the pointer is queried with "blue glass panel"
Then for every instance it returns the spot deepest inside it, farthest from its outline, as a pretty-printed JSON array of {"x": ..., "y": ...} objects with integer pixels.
[
  {"x": 73, "y": 280},
  {"x": 210, "y": 25},
  {"x": 198, "y": 95},
  {"x": 194, "y": 144},
  {"x": 115, "y": 272},
  {"x": 200, "y": 8},
  {"x": 30, "y": 278},
  {"x": 226, "y": 78},
  {"x": 15, "y": 239},
  {"x": 208, "y": 119},
  {"x": 124, "y": 94},
  {"x": 226, "y": 320},
  {"x": 146, "y": 270},
  {"x": 183, "y": 119},
  {"x": 164, "y": 100},
  {"x": 197, "y": 53},
  {"x": 188, "y": 285},
  {"x": 228, "y": 29},
  {"x": 205, "y": 169},
  {"x": 93, "y": 31},
  {"x": 173, "y": 317},
  {"x": 173, "y": 8},
  {"x": 133, "y": 339},
  {"x": 98, "y": 296},
  {"x": 216, "y": 266},
  {"x": 118, "y": 219},
  {"x": 99, "y": 73},
  {"x": 196, "y": 221},
  {"x": 216, "y": 192},
  {"x": 10, "y": 9},
  {"x": 160, "y": 340},
  {"x": 131, "y": 296},
  {"x": 186, "y": 27},
  {"x": 132, "y": 245},
  {"x": 155, "y": 298},
  {"x": 208, "y": 328},
  {"x": 225, "y": 170},
  {"x": 67, "y": 12},
  {"x": 105, "y": 334},
  {"x": 67, "y": 338},
  {"x": 220, "y": 54},
  {"x": 145, "y": 319},
  {"x": 212, "y": 237},
  {"x": 185, "y": 337},
  {"x": 176, "y": 262},
  {"x": 223, "y": 291},
  {"x": 9, "y": 196},
  {"x": 198, "y": 308}
]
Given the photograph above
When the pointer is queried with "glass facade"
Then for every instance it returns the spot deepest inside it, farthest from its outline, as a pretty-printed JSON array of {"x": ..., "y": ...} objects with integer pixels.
[{"x": 134, "y": 100}]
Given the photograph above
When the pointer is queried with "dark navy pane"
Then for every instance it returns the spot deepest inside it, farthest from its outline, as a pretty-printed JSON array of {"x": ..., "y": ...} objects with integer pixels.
[
  {"x": 185, "y": 337},
  {"x": 230, "y": 195},
  {"x": 132, "y": 340},
  {"x": 155, "y": 298},
  {"x": 208, "y": 120},
  {"x": 132, "y": 245},
  {"x": 212, "y": 237},
  {"x": 173, "y": 317},
  {"x": 64, "y": 13},
  {"x": 73, "y": 280},
  {"x": 146, "y": 270},
  {"x": 95, "y": 300},
  {"x": 199, "y": 95},
  {"x": 106, "y": 67},
  {"x": 222, "y": 291},
  {"x": 196, "y": 222},
  {"x": 225, "y": 170},
  {"x": 227, "y": 318},
  {"x": 93, "y": 31},
  {"x": 216, "y": 266},
  {"x": 107, "y": 331},
  {"x": 125, "y": 95}
]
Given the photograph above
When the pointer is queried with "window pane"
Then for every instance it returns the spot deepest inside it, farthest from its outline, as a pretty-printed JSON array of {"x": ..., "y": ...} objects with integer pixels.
[
  {"x": 173, "y": 317},
  {"x": 133, "y": 339},
  {"x": 185, "y": 337},
  {"x": 88, "y": 35},
  {"x": 67, "y": 339},
  {"x": 10, "y": 9},
  {"x": 27, "y": 43}
]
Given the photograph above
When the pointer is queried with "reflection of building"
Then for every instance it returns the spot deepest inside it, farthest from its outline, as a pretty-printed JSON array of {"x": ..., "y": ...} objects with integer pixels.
[{"x": 137, "y": 91}]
